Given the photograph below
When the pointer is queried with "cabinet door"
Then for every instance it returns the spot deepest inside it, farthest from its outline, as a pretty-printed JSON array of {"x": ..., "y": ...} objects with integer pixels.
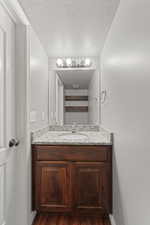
[
  {"x": 89, "y": 182},
  {"x": 53, "y": 186}
]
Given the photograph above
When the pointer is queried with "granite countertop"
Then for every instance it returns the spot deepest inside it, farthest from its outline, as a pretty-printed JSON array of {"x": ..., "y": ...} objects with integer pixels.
[{"x": 89, "y": 138}]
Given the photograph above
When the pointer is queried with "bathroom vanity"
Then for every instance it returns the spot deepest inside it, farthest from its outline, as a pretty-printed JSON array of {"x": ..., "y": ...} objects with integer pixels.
[{"x": 72, "y": 177}]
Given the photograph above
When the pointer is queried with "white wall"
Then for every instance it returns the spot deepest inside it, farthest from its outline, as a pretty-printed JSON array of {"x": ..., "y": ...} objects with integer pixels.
[
  {"x": 59, "y": 101},
  {"x": 94, "y": 92},
  {"x": 39, "y": 83},
  {"x": 52, "y": 97},
  {"x": 52, "y": 91},
  {"x": 126, "y": 76}
]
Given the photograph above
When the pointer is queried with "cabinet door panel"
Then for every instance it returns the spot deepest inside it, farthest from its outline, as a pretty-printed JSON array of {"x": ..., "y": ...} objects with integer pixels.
[
  {"x": 53, "y": 186},
  {"x": 89, "y": 183}
]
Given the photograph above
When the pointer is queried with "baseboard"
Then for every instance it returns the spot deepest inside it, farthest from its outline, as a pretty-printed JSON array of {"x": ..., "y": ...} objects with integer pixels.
[
  {"x": 112, "y": 220},
  {"x": 32, "y": 217}
]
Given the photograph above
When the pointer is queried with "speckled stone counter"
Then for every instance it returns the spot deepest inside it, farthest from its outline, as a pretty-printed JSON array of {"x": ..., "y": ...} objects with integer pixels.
[{"x": 51, "y": 137}]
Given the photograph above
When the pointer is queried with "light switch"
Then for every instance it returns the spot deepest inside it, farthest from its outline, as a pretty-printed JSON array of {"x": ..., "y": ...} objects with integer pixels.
[
  {"x": 33, "y": 116},
  {"x": 43, "y": 115}
]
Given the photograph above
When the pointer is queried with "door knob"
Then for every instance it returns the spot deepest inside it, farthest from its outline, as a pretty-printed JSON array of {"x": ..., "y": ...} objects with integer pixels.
[{"x": 13, "y": 143}]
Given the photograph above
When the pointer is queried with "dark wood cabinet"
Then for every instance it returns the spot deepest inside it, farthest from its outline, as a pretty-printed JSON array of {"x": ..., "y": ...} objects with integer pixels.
[
  {"x": 65, "y": 182},
  {"x": 53, "y": 186},
  {"x": 89, "y": 184}
]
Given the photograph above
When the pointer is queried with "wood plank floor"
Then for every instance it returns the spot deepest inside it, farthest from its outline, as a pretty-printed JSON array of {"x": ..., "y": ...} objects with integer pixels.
[{"x": 46, "y": 219}]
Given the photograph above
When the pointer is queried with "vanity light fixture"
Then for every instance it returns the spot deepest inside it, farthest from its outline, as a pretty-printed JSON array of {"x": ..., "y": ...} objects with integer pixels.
[
  {"x": 87, "y": 62},
  {"x": 69, "y": 62},
  {"x": 60, "y": 62},
  {"x": 74, "y": 62}
]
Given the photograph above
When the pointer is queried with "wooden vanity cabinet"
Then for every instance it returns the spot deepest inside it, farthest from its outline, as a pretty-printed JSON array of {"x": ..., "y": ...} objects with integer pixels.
[
  {"x": 89, "y": 180},
  {"x": 52, "y": 186},
  {"x": 65, "y": 182}
]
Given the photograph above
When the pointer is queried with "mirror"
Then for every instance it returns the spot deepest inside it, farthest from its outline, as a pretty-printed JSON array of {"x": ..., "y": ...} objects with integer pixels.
[{"x": 76, "y": 96}]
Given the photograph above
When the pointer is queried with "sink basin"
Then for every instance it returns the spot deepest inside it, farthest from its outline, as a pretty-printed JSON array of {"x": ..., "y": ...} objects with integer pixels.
[{"x": 73, "y": 136}]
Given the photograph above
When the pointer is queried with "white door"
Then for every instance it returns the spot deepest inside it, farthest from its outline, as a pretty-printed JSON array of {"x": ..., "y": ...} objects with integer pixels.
[
  {"x": 7, "y": 119},
  {"x": 2, "y": 142}
]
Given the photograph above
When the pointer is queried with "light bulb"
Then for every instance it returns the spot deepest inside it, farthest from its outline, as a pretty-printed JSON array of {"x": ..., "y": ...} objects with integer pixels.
[
  {"x": 59, "y": 62},
  {"x": 87, "y": 62},
  {"x": 69, "y": 61}
]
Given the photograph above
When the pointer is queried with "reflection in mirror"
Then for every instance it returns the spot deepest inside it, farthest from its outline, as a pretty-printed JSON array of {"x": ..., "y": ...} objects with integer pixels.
[{"x": 77, "y": 98}]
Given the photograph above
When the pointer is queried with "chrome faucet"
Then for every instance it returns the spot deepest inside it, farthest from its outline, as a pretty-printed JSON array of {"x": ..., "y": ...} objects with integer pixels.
[{"x": 74, "y": 127}]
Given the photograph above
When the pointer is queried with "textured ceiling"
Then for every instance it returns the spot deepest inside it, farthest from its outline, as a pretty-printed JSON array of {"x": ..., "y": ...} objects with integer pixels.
[{"x": 71, "y": 27}]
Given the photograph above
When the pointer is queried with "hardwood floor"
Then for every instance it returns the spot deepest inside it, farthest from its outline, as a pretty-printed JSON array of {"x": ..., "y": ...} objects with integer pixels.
[{"x": 46, "y": 219}]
